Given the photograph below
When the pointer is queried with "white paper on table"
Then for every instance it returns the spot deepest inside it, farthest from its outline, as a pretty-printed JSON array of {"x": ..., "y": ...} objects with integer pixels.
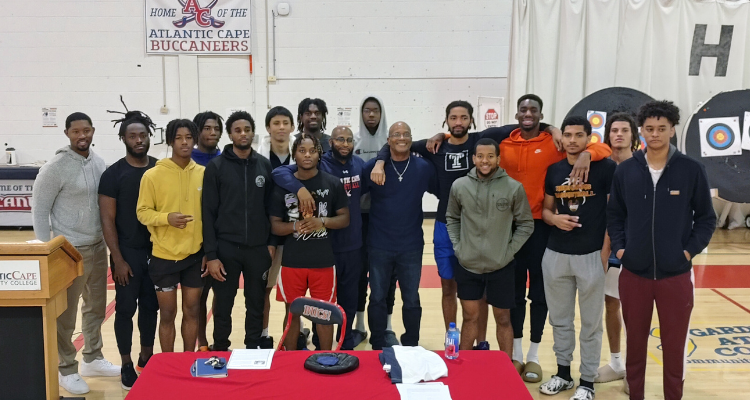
[
  {"x": 746, "y": 134},
  {"x": 423, "y": 391},
  {"x": 251, "y": 359}
]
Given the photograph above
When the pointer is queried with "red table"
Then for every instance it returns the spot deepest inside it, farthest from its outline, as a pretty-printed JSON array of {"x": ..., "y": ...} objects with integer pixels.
[{"x": 474, "y": 375}]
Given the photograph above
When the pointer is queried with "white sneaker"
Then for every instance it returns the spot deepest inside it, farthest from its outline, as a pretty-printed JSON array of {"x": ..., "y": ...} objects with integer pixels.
[
  {"x": 100, "y": 367},
  {"x": 583, "y": 393},
  {"x": 73, "y": 383},
  {"x": 556, "y": 385}
]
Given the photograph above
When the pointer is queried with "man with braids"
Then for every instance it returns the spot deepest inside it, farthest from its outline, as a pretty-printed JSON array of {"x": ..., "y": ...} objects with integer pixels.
[
  {"x": 129, "y": 244},
  {"x": 65, "y": 199},
  {"x": 311, "y": 118},
  {"x": 308, "y": 261},
  {"x": 340, "y": 162},
  {"x": 169, "y": 204},
  {"x": 659, "y": 217},
  {"x": 209, "y": 126},
  {"x": 236, "y": 188},
  {"x": 453, "y": 160}
]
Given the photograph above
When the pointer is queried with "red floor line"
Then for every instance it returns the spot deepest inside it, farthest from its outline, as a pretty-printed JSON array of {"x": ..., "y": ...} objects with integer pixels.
[{"x": 731, "y": 301}]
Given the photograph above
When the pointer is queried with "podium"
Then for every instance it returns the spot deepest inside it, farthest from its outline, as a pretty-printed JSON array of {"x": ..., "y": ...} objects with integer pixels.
[{"x": 34, "y": 278}]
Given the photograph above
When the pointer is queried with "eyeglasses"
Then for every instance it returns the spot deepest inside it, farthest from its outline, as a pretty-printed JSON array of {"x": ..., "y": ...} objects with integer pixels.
[
  {"x": 401, "y": 135},
  {"x": 342, "y": 140}
]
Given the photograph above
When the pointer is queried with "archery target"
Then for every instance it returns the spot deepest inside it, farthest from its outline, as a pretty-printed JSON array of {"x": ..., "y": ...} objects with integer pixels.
[
  {"x": 720, "y": 137},
  {"x": 596, "y": 137},
  {"x": 597, "y": 119}
]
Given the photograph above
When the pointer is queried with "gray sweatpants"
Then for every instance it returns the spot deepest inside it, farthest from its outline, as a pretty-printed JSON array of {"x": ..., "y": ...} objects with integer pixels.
[
  {"x": 563, "y": 275},
  {"x": 92, "y": 286}
]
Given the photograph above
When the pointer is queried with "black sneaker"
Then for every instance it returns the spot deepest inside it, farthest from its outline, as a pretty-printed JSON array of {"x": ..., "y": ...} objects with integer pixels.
[
  {"x": 266, "y": 342},
  {"x": 127, "y": 376},
  {"x": 301, "y": 342}
]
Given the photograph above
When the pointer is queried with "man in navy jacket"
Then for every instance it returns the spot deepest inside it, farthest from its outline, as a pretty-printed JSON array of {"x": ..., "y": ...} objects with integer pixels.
[{"x": 659, "y": 217}]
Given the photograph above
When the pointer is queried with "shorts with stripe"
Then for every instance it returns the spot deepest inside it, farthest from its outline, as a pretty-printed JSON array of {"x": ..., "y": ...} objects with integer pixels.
[{"x": 294, "y": 282}]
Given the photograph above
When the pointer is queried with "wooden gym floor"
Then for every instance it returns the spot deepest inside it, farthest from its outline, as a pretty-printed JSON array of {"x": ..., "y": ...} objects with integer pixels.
[{"x": 719, "y": 353}]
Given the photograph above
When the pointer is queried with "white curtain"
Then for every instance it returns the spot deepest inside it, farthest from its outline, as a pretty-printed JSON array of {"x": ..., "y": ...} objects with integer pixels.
[{"x": 564, "y": 50}]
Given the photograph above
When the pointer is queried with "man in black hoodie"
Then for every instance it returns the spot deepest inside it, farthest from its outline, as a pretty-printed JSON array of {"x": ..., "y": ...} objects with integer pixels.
[
  {"x": 236, "y": 188},
  {"x": 657, "y": 225}
]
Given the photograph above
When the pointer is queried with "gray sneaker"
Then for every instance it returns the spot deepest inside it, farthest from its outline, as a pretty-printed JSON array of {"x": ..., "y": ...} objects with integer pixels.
[
  {"x": 583, "y": 393},
  {"x": 390, "y": 339}
]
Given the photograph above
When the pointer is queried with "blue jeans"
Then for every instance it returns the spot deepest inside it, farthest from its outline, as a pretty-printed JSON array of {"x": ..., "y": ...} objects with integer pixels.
[{"x": 407, "y": 265}]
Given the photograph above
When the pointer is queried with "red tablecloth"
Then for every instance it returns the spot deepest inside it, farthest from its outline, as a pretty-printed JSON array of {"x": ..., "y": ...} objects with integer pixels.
[{"x": 474, "y": 375}]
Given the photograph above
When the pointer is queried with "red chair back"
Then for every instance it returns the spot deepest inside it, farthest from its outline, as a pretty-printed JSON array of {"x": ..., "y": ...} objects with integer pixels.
[{"x": 318, "y": 311}]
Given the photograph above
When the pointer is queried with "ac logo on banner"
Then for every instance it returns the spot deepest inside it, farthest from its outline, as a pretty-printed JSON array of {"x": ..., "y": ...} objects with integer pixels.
[
  {"x": 201, "y": 15},
  {"x": 198, "y": 26}
]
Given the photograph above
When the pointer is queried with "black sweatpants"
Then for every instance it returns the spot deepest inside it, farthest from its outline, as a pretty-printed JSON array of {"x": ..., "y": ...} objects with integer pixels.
[
  {"x": 529, "y": 258},
  {"x": 139, "y": 294},
  {"x": 254, "y": 264},
  {"x": 363, "y": 279}
]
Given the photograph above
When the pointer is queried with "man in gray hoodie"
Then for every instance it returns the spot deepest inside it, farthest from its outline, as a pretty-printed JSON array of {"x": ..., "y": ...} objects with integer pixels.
[
  {"x": 484, "y": 207},
  {"x": 65, "y": 193}
]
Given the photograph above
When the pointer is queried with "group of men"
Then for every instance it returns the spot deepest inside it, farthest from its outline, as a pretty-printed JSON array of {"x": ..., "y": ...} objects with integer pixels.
[{"x": 334, "y": 214}]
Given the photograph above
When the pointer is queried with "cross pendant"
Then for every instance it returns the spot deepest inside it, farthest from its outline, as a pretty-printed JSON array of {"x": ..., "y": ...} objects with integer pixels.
[{"x": 400, "y": 178}]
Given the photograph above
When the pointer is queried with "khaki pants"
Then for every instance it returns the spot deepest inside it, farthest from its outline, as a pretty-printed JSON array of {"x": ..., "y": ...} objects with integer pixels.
[{"x": 93, "y": 287}]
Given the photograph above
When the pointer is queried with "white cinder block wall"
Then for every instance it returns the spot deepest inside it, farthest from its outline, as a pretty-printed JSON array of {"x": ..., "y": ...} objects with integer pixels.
[{"x": 81, "y": 55}]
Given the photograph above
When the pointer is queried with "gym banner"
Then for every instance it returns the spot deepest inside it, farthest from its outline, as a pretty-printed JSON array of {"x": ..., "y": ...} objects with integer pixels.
[{"x": 198, "y": 27}]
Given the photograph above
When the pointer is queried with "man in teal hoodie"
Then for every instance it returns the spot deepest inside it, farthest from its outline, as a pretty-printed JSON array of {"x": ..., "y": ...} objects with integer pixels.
[
  {"x": 66, "y": 200},
  {"x": 483, "y": 208}
]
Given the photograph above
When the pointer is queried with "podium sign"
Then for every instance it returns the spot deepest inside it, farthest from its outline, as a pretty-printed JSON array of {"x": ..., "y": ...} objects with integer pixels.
[{"x": 20, "y": 275}]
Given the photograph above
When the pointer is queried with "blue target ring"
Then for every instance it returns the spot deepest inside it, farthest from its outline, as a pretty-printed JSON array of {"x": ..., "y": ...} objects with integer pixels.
[{"x": 720, "y": 136}]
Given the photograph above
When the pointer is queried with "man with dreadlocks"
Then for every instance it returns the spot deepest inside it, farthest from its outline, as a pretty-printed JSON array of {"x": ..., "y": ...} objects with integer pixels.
[
  {"x": 129, "y": 243},
  {"x": 210, "y": 126},
  {"x": 308, "y": 261},
  {"x": 169, "y": 204},
  {"x": 65, "y": 199},
  {"x": 452, "y": 161},
  {"x": 311, "y": 117}
]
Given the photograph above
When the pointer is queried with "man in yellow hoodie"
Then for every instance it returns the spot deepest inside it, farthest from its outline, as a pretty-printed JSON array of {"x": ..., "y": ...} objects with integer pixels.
[{"x": 169, "y": 204}]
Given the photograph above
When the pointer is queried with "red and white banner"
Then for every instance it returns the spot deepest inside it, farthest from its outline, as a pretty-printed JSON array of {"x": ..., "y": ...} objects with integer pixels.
[{"x": 198, "y": 27}]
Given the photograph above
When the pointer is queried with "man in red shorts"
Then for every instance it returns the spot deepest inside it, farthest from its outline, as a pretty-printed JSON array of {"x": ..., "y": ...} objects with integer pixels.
[{"x": 308, "y": 261}]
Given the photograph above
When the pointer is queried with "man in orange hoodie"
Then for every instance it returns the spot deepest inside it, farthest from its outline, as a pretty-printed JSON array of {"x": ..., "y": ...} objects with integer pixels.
[{"x": 525, "y": 155}]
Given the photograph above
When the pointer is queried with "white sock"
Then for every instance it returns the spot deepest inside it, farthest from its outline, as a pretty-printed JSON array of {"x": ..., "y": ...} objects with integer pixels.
[
  {"x": 264, "y": 333},
  {"x": 533, "y": 354},
  {"x": 616, "y": 362},
  {"x": 389, "y": 327},
  {"x": 360, "y": 321},
  {"x": 517, "y": 350}
]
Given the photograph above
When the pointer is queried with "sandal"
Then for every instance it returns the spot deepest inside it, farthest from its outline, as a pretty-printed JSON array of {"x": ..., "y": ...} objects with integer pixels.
[
  {"x": 532, "y": 372},
  {"x": 519, "y": 366}
]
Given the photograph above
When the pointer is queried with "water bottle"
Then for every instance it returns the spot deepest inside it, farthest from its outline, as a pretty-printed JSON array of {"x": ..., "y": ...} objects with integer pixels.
[{"x": 451, "y": 342}]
